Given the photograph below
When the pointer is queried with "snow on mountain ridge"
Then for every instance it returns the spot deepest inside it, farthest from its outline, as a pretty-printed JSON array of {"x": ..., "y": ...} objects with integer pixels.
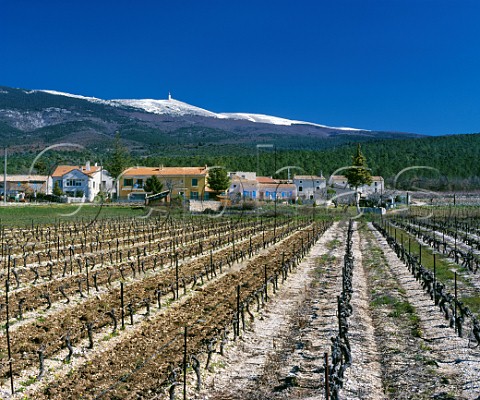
[
  {"x": 268, "y": 119},
  {"x": 169, "y": 107},
  {"x": 174, "y": 107},
  {"x": 77, "y": 96}
]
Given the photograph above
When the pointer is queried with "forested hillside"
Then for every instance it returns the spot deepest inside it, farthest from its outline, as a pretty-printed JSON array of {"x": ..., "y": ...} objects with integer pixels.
[{"x": 456, "y": 158}]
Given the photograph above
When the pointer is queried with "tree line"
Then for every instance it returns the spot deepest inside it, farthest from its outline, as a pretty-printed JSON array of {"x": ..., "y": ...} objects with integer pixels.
[{"x": 452, "y": 158}]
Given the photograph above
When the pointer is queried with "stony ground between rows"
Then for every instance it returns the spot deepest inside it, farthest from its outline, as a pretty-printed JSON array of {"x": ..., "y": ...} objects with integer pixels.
[{"x": 401, "y": 346}]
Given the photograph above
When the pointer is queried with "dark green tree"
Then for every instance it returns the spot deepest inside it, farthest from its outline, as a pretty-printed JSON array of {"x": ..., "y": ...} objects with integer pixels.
[
  {"x": 153, "y": 185},
  {"x": 218, "y": 180},
  {"x": 359, "y": 174},
  {"x": 56, "y": 190},
  {"x": 119, "y": 159}
]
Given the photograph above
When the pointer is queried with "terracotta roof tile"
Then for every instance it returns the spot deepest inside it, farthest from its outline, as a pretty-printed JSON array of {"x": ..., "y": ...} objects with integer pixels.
[
  {"x": 65, "y": 169},
  {"x": 277, "y": 185},
  {"x": 164, "y": 171},
  {"x": 265, "y": 179}
]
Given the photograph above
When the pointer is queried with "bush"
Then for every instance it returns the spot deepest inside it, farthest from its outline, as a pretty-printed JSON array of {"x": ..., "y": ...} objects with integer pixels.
[
  {"x": 248, "y": 205},
  {"x": 56, "y": 190}
]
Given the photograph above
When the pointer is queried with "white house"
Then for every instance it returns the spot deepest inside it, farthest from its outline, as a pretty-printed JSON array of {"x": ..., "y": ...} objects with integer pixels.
[
  {"x": 309, "y": 187},
  {"x": 243, "y": 175},
  {"x": 243, "y": 188},
  {"x": 340, "y": 181},
  {"x": 247, "y": 185},
  {"x": 274, "y": 189},
  {"x": 84, "y": 182}
]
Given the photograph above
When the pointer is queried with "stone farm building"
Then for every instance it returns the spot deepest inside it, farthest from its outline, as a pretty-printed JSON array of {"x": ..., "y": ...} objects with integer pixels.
[
  {"x": 246, "y": 185},
  {"x": 309, "y": 187},
  {"x": 340, "y": 182},
  {"x": 26, "y": 185}
]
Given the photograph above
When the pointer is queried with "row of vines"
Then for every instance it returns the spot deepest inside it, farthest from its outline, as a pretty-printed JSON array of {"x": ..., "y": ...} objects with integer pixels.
[{"x": 168, "y": 294}]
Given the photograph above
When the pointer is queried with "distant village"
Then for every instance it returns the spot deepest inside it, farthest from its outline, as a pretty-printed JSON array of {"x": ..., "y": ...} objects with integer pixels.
[{"x": 85, "y": 183}]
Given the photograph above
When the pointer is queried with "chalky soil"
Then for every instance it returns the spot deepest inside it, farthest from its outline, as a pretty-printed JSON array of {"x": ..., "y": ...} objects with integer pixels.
[
  {"x": 281, "y": 356},
  {"x": 401, "y": 346}
]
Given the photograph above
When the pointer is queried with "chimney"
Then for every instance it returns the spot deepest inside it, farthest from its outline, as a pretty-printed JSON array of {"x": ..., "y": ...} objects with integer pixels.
[{"x": 87, "y": 166}]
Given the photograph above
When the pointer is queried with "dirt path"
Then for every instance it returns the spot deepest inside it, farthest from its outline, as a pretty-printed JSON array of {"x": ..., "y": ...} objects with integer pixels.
[
  {"x": 401, "y": 347},
  {"x": 363, "y": 379},
  {"x": 281, "y": 355}
]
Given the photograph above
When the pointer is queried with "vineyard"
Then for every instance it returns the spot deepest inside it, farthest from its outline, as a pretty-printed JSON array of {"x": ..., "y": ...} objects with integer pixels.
[{"x": 246, "y": 308}]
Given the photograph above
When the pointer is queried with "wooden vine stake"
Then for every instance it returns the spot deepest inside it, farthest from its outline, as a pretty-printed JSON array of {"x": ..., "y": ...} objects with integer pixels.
[
  {"x": 185, "y": 363},
  {"x": 456, "y": 303},
  {"x": 176, "y": 275},
  {"x": 327, "y": 378},
  {"x": 434, "y": 277},
  {"x": 266, "y": 281},
  {"x": 122, "y": 305},
  {"x": 7, "y": 326},
  {"x": 238, "y": 310}
]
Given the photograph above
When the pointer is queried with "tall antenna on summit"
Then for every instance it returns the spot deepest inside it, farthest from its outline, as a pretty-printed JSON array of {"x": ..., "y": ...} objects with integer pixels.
[{"x": 169, "y": 96}]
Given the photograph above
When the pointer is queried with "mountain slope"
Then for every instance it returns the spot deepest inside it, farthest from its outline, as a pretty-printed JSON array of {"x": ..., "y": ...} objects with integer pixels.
[
  {"x": 178, "y": 108},
  {"x": 32, "y": 118}
]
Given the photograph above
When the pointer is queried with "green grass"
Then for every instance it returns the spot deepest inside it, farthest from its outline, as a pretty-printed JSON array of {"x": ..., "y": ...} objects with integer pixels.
[
  {"x": 27, "y": 215},
  {"x": 31, "y": 380},
  {"x": 401, "y": 308},
  {"x": 320, "y": 264},
  {"x": 333, "y": 244},
  {"x": 383, "y": 300},
  {"x": 443, "y": 268},
  {"x": 405, "y": 309},
  {"x": 325, "y": 259},
  {"x": 110, "y": 335},
  {"x": 387, "y": 296}
]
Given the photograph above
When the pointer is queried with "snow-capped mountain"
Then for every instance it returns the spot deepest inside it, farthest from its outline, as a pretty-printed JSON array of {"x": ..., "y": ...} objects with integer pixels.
[
  {"x": 75, "y": 96},
  {"x": 177, "y": 108},
  {"x": 268, "y": 119},
  {"x": 33, "y": 118},
  {"x": 166, "y": 107}
]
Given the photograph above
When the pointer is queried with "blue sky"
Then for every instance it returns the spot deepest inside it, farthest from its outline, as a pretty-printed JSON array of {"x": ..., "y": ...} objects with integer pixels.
[{"x": 397, "y": 65}]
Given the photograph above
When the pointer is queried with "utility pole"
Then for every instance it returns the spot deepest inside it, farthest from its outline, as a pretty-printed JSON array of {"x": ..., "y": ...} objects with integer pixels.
[
  {"x": 5, "y": 178},
  {"x": 275, "y": 158}
]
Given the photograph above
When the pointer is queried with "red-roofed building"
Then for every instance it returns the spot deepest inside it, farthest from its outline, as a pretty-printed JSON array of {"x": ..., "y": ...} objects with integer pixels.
[
  {"x": 260, "y": 187},
  {"x": 265, "y": 180},
  {"x": 84, "y": 182},
  {"x": 188, "y": 182}
]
